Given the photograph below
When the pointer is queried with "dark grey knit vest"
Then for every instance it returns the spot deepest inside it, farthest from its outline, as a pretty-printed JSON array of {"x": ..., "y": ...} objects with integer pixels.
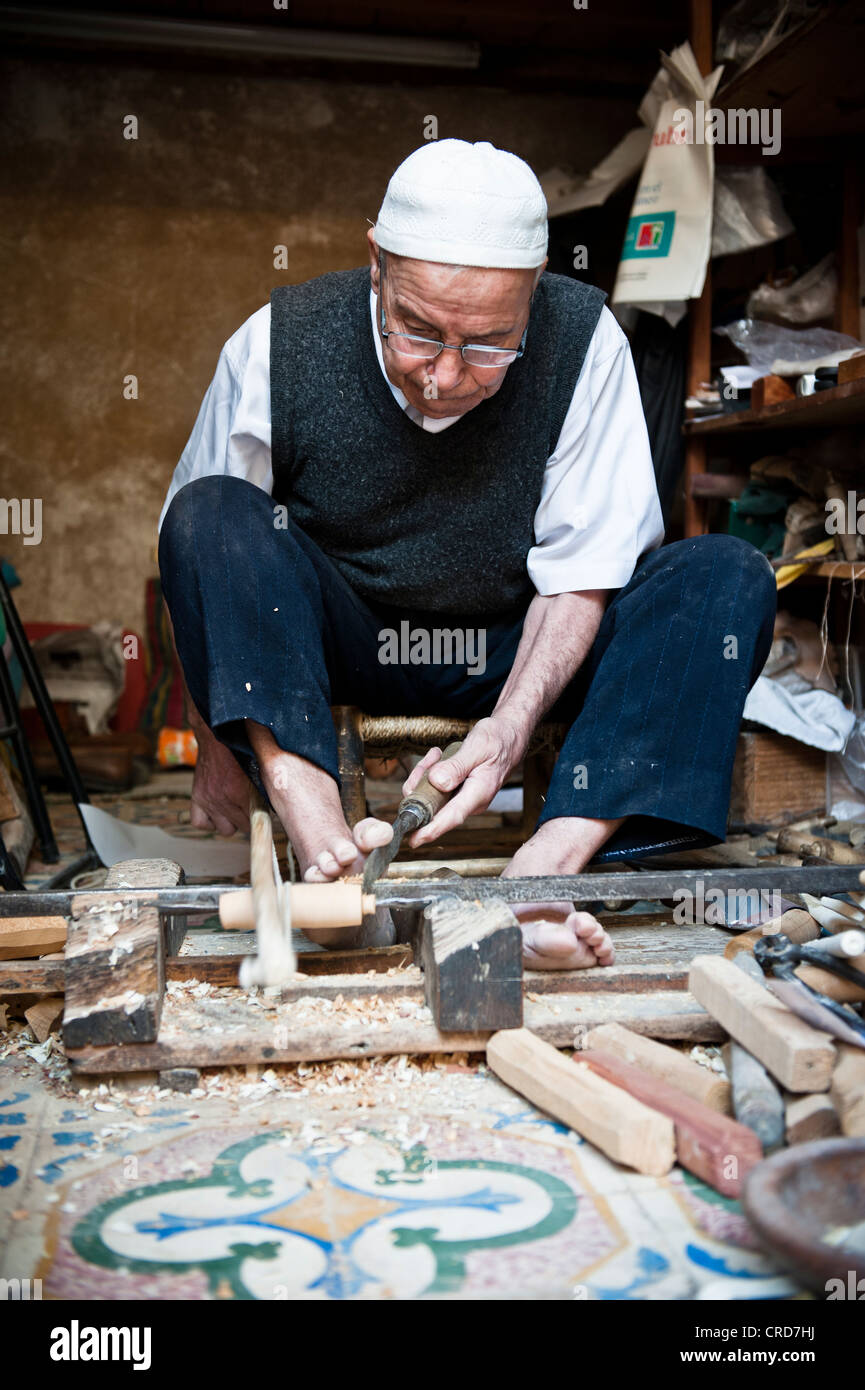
[{"x": 435, "y": 522}]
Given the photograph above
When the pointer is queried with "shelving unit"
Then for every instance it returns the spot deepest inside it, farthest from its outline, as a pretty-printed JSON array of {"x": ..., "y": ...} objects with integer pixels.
[{"x": 824, "y": 118}]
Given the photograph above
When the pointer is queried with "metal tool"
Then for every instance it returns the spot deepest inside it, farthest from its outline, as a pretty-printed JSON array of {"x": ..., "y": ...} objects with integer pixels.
[
  {"x": 415, "y": 810},
  {"x": 780, "y": 956},
  {"x": 577, "y": 888}
]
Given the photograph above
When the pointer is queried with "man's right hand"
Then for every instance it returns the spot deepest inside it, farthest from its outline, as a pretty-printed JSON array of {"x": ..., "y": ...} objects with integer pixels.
[{"x": 220, "y": 788}]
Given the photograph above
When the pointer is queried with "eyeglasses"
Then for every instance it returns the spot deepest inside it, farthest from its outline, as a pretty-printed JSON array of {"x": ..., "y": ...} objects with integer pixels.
[{"x": 425, "y": 349}]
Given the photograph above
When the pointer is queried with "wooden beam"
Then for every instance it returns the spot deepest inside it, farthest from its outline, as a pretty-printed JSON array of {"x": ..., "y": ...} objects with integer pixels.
[
  {"x": 715, "y": 1148},
  {"x": 664, "y": 1062},
  {"x": 473, "y": 965},
  {"x": 614, "y": 1121},
  {"x": 222, "y": 1031},
  {"x": 797, "y": 1055}
]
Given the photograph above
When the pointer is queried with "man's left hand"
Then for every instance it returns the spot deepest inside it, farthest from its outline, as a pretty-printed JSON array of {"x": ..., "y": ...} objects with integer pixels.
[{"x": 478, "y": 771}]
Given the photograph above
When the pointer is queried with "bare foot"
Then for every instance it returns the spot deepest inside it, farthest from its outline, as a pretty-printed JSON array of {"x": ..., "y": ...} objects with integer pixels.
[
  {"x": 556, "y": 936},
  {"x": 306, "y": 799}
]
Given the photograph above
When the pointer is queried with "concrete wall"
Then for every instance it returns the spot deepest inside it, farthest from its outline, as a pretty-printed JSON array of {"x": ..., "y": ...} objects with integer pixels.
[{"x": 142, "y": 256}]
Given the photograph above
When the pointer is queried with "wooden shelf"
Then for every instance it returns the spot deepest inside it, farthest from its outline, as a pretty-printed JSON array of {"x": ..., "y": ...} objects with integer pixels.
[
  {"x": 843, "y": 405},
  {"x": 816, "y": 74}
]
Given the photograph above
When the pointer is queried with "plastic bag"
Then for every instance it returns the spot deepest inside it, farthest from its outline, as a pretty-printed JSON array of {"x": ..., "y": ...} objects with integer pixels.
[
  {"x": 788, "y": 351},
  {"x": 747, "y": 211},
  {"x": 668, "y": 235},
  {"x": 750, "y": 27},
  {"x": 806, "y": 300}
]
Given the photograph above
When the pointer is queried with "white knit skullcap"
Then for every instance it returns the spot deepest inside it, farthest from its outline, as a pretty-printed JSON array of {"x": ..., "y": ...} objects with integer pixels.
[{"x": 464, "y": 204}]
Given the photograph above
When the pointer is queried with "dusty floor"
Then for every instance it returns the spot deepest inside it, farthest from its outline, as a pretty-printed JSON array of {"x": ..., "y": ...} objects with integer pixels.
[{"x": 394, "y": 1178}]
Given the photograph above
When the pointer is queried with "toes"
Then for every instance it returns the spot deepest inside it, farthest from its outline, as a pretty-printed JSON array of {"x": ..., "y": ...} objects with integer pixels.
[
  {"x": 371, "y": 834},
  {"x": 314, "y": 875}
]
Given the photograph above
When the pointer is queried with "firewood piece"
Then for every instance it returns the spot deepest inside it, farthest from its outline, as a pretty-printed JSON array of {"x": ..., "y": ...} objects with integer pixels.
[
  {"x": 611, "y": 1119},
  {"x": 43, "y": 1015},
  {"x": 715, "y": 1148},
  {"x": 797, "y": 1055},
  {"x": 847, "y": 1089},
  {"x": 662, "y": 1061},
  {"x": 22, "y": 937},
  {"x": 757, "y": 1102},
  {"x": 810, "y": 1117},
  {"x": 472, "y": 958},
  {"x": 115, "y": 972}
]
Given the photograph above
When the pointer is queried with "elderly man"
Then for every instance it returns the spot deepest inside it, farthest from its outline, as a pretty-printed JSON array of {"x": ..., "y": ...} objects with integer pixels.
[{"x": 454, "y": 441}]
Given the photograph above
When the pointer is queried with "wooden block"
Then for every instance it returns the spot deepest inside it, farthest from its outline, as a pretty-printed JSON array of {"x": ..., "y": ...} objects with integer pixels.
[
  {"x": 115, "y": 972},
  {"x": 43, "y": 1015},
  {"x": 797, "y": 1055},
  {"x": 620, "y": 1126},
  {"x": 664, "y": 1062},
  {"x": 769, "y": 390},
  {"x": 848, "y": 1089},
  {"x": 183, "y": 1079},
  {"x": 21, "y": 937},
  {"x": 774, "y": 777},
  {"x": 472, "y": 956},
  {"x": 757, "y": 1102},
  {"x": 810, "y": 1117},
  {"x": 715, "y": 1148},
  {"x": 153, "y": 873}
]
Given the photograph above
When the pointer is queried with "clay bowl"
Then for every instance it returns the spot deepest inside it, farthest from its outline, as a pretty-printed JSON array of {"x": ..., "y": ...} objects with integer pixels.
[{"x": 796, "y": 1197}]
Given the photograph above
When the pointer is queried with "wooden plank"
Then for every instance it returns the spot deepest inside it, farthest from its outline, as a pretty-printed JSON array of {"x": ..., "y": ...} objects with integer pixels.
[
  {"x": 222, "y": 1030},
  {"x": 810, "y": 1117},
  {"x": 847, "y": 1090},
  {"x": 796, "y": 1054},
  {"x": 715, "y": 1148},
  {"x": 114, "y": 972},
  {"x": 664, "y": 1062},
  {"x": 31, "y": 936},
  {"x": 614, "y": 1121},
  {"x": 472, "y": 956},
  {"x": 32, "y": 976}
]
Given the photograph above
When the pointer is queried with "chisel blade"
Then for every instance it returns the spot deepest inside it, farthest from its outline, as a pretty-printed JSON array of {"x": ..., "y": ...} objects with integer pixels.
[{"x": 379, "y": 860}]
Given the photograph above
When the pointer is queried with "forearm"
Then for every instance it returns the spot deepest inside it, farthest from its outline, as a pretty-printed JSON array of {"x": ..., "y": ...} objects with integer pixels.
[{"x": 558, "y": 633}]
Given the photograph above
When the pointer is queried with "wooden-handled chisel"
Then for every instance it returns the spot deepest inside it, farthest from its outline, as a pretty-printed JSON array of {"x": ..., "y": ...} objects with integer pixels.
[{"x": 415, "y": 810}]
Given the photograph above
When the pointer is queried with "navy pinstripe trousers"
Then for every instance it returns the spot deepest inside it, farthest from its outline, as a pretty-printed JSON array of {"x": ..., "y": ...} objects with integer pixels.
[{"x": 267, "y": 629}]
